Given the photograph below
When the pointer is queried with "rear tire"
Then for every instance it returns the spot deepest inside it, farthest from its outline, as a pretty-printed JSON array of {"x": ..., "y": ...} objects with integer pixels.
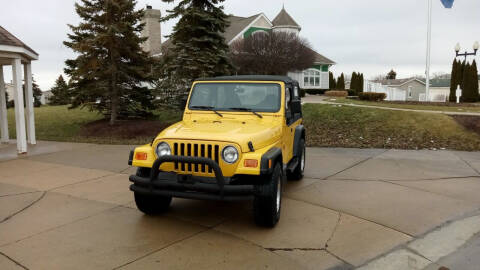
[
  {"x": 297, "y": 173},
  {"x": 150, "y": 204},
  {"x": 267, "y": 204}
]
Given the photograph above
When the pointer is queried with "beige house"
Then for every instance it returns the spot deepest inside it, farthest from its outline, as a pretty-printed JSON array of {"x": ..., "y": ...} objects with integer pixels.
[
  {"x": 414, "y": 88},
  {"x": 315, "y": 77}
]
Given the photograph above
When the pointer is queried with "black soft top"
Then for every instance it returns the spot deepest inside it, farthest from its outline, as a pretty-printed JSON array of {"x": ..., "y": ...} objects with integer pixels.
[{"x": 284, "y": 79}]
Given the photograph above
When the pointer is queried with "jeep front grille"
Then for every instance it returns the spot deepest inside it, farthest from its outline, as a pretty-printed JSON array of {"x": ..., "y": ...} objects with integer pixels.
[{"x": 211, "y": 151}]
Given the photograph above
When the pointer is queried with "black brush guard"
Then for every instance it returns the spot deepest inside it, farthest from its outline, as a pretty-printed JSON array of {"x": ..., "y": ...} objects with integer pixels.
[{"x": 189, "y": 186}]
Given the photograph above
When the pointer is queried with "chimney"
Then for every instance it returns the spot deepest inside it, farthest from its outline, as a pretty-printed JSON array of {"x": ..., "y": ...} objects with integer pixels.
[{"x": 152, "y": 31}]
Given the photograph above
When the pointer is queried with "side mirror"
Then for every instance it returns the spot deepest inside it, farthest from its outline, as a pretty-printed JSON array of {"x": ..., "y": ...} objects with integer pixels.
[{"x": 296, "y": 106}]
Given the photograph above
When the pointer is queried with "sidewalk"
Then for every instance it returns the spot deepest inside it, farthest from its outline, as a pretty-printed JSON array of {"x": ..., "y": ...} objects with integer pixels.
[{"x": 69, "y": 207}]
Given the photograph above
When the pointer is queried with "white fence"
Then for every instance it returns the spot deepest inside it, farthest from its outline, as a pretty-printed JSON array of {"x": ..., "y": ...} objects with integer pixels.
[{"x": 393, "y": 94}]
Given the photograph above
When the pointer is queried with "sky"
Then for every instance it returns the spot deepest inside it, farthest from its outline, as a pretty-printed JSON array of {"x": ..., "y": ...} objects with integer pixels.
[{"x": 371, "y": 36}]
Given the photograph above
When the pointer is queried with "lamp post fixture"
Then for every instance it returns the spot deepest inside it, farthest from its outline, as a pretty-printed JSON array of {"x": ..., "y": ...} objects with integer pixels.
[{"x": 476, "y": 45}]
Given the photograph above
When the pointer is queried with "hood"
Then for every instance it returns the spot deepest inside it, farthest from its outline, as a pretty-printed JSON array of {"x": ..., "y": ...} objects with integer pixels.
[{"x": 260, "y": 133}]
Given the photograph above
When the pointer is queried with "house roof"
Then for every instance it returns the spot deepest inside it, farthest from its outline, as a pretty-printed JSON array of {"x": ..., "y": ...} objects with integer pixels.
[
  {"x": 6, "y": 38},
  {"x": 440, "y": 83},
  {"x": 284, "y": 19},
  {"x": 320, "y": 59},
  {"x": 237, "y": 24},
  {"x": 397, "y": 82}
]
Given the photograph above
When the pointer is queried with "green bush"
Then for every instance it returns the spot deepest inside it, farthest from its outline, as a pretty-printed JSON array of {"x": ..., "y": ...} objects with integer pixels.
[
  {"x": 369, "y": 96},
  {"x": 336, "y": 93},
  {"x": 302, "y": 92}
]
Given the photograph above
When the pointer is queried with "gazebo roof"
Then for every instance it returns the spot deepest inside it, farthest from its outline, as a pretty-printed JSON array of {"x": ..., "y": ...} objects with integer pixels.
[{"x": 10, "y": 43}]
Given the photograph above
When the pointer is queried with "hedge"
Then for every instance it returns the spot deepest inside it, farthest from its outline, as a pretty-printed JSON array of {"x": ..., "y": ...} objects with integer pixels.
[
  {"x": 372, "y": 96},
  {"x": 336, "y": 93},
  {"x": 315, "y": 91}
]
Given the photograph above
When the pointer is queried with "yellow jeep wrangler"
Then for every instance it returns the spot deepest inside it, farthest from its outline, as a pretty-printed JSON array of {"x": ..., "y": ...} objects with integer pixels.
[{"x": 239, "y": 137}]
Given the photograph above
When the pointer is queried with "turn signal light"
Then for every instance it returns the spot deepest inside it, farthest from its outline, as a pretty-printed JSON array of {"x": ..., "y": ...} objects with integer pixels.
[
  {"x": 252, "y": 163},
  {"x": 141, "y": 156}
]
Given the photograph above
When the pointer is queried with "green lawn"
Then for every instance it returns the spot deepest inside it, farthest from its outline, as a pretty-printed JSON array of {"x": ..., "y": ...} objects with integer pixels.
[
  {"x": 468, "y": 107},
  {"x": 327, "y": 125},
  {"x": 332, "y": 125},
  {"x": 58, "y": 123}
]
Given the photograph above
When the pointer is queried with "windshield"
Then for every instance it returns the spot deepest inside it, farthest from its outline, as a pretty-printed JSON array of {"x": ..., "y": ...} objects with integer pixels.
[{"x": 257, "y": 97}]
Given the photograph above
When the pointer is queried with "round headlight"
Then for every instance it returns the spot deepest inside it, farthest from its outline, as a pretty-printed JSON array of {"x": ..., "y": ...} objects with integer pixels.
[
  {"x": 230, "y": 154},
  {"x": 163, "y": 149}
]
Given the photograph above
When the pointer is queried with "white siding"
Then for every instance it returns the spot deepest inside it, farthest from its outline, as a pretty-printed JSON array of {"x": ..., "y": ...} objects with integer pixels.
[{"x": 392, "y": 93}]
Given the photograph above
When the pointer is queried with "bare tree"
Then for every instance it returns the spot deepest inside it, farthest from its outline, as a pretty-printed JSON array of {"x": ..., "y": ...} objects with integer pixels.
[
  {"x": 378, "y": 77},
  {"x": 274, "y": 53}
]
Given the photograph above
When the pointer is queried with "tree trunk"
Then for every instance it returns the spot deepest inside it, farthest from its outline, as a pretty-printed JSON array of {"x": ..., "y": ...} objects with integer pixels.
[{"x": 114, "y": 102}]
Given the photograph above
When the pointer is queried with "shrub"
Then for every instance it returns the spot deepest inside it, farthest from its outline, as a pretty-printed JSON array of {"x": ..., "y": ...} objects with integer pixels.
[
  {"x": 302, "y": 92},
  {"x": 336, "y": 93},
  {"x": 315, "y": 91},
  {"x": 352, "y": 92},
  {"x": 372, "y": 96}
]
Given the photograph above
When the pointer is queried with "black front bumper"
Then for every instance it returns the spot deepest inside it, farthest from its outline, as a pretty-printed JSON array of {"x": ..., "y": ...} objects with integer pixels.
[{"x": 189, "y": 186}]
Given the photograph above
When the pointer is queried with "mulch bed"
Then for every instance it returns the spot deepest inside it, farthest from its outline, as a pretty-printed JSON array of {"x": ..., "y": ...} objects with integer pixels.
[
  {"x": 470, "y": 122},
  {"x": 124, "y": 129}
]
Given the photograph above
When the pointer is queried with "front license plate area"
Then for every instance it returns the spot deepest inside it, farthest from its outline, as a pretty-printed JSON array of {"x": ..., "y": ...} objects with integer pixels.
[{"x": 185, "y": 179}]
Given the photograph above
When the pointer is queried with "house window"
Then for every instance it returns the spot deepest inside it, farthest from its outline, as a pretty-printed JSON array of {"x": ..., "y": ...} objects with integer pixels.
[
  {"x": 311, "y": 77},
  {"x": 409, "y": 91}
]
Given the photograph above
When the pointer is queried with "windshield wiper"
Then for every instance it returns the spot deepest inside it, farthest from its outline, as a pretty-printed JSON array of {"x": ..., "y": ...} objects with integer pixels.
[
  {"x": 247, "y": 110},
  {"x": 207, "y": 108}
]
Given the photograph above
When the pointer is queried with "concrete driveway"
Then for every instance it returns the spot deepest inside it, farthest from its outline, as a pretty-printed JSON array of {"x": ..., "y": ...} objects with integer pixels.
[{"x": 68, "y": 206}]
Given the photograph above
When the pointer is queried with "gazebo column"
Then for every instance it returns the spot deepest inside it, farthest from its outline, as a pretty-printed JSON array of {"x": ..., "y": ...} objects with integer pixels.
[
  {"x": 3, "y": 110},
  {"x": 19, "y": 110},
  {"x": 29, "y": 106}
]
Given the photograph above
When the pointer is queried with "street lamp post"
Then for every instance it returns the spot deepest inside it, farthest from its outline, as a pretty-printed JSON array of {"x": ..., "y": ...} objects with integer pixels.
[{"x": 476, "y": 45}]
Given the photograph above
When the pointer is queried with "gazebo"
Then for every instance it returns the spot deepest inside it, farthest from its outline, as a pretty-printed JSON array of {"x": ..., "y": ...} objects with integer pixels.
[{"x": 14, "y": 53}]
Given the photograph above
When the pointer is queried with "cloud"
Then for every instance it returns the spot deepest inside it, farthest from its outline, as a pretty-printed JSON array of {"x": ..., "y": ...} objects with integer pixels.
[{"x": 371, "y": 36}]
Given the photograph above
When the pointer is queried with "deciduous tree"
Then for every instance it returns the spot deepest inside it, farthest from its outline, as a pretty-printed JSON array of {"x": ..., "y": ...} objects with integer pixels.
[{"x": 273, "y": 53}]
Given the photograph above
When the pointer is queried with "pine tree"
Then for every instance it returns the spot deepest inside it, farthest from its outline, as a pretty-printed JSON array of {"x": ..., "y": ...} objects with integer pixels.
[
  {"x": 110, "y": 66},
  {"x": 354, "y": 82},
  {"x": 392, "y": 75},
  {"x": 341, "y": 82},
  {"x": 467, "y": 94},
  {"x": 37, "y": 94},
  {"x": 453, "y": 81},
  {"x": 198, "y": 47},
  {"x": 331, "y": 81},
  {"x": 461, "y": 69},
  {"x": 361, "y": 83},
  {"x": 474, "y": 78},
  {"x": 60, "y": 91}
]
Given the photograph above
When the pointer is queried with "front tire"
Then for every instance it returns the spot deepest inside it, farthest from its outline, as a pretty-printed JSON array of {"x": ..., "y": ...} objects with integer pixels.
[
  {"x": 267, "y": 204},
  {"x": 151, "y": 204},
  {"x": 297, "y": 173}
]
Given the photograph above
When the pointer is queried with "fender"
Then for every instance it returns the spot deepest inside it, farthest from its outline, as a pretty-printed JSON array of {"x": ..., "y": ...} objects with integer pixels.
[
  {"x": 273, "y": 154},
  {"x": 299, "y": 134}
]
